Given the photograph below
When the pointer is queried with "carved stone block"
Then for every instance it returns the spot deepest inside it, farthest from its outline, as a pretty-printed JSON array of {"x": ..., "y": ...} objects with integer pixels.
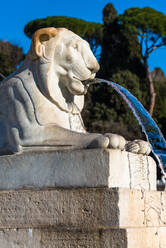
[
  {"x": 82, "y": 209},
  {"x": 79, "y": 168}
]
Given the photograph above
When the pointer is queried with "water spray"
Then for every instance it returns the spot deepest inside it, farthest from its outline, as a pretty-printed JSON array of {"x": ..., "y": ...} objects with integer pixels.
[{"x": 148, "y": 125}]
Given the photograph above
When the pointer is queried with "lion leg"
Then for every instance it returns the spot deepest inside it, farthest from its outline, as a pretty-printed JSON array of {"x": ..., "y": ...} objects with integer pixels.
[
  {"x": 54, "y": 136},
  {"x": 59, "y": 136}
]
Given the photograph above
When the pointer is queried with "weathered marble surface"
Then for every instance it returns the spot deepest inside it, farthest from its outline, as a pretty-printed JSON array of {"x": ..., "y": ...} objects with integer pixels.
[{"x": 78, "y": 168}]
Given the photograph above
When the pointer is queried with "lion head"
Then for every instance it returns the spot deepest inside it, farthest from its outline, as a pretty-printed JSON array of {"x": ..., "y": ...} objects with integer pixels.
[{"x": 64, "y": 59}]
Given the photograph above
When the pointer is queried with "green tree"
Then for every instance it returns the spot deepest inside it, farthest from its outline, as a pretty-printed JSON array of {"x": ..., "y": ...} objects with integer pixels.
[
  {"x": 109, "y": 14},
  {"x": 120, "y": 62},
  {"x": 150, "y": 27},
  {"x": 90, "y": 31},
  {"x": 120, "y": 51},
  {"x": 10, "y": 58}
]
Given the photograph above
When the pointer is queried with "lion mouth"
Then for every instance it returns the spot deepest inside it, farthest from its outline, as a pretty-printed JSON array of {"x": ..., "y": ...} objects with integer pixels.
[
  {"x": 86, "y": 82},
  {"x": 89, "y": 81}
]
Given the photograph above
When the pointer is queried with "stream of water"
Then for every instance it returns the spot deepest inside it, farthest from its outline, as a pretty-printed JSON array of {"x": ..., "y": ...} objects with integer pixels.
[{"x": 149, "y": 127}]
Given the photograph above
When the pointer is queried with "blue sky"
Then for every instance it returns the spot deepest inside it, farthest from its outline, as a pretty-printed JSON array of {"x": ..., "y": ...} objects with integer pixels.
[{"x": 15, "y": 14}]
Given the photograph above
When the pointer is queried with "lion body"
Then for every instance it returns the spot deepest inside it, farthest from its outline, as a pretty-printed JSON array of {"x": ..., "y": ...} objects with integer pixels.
[
  {"x": 28, "y": 111},
  {"x": 24, "y": 109},
  {"x": 41, "y": 103}
]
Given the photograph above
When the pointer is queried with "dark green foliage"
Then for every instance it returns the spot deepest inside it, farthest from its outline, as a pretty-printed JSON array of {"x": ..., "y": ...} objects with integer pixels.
[
  {"x": 106, "y": 111},
  {"x": 160, "y": 107},
  {"x": 120, "y": 62},
  {"x": 10, "y": 58},
  {"x": 120, "y": 50},
  {"x": 109, "y": 14},
  {"x": 149, "y": 26},
  {"x": 90, "y": 31}
]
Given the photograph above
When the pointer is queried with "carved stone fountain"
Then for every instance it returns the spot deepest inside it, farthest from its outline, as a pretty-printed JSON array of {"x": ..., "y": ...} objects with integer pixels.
[{"x": 60, "y": 185}]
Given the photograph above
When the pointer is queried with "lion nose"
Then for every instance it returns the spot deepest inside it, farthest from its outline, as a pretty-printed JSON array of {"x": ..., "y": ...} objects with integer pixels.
[
  {"x": 94, "y": 68},
  {"x": 89, "y": 58}
]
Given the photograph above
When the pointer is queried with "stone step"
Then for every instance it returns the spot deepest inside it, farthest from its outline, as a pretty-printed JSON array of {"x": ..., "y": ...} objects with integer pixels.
[
  {"x": 78, "y": 168},
  {"x": 113, "y": 238},
  {"x": 98, "y": 208}
]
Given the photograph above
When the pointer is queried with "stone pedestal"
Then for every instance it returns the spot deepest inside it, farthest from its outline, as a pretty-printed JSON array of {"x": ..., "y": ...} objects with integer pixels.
[
  {"x": 88, "y": 218},
  {"x": 78, "y": 168},
  {"x": 110, "y": 203}
]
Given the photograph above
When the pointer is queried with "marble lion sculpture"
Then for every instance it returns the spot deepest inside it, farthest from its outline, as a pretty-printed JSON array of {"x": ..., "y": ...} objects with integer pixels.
[{"x": 41, "y": 103}]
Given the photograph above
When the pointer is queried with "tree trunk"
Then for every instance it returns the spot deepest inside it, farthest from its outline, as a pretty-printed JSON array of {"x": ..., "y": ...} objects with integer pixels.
[{"x": 151, "y": 89}]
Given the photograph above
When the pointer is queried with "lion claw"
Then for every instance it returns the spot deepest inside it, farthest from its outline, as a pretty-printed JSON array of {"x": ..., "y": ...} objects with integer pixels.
[{"x": 138, "y": 146}]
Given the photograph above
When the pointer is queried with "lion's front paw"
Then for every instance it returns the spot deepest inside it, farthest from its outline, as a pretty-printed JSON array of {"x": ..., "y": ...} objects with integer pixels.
[
  {"x": 138, "y": 146},
  {"x": 116, "y": 141}
]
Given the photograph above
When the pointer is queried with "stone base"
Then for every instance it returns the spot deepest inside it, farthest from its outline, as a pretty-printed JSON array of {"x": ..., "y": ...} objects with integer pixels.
[
  {"x": 82, "y": 208},
  {"x": 78, "y": 168},
  {"x": 83, "y": 211},
  {"x": 88, "y": 218},
  {"x": 113, "y": 238}
]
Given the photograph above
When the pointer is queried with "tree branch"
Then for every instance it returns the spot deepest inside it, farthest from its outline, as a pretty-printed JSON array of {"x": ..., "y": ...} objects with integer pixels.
[
  {"x": 154, "y": 42},
  {"x": 154, "y": 48}
]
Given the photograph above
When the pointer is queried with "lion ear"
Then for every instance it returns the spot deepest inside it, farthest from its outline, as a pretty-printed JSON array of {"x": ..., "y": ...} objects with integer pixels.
[{"x": 38, "y": 41}]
